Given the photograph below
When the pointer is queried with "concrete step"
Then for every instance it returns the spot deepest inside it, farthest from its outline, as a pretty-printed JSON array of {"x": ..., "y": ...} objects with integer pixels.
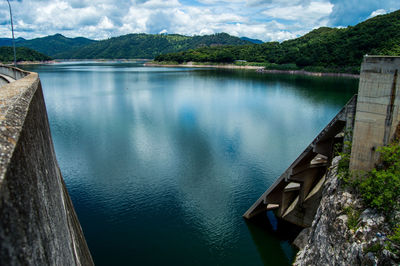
[
  {"x": 272, "y": 207},
  {"x": 292, "y": 186},
  {"x": 318, "y": 160}
]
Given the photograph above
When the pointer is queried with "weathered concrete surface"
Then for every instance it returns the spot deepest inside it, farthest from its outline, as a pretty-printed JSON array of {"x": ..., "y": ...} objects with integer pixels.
[
  {"x": 378, "y": 111},
  {"x": 295, "y": 195},
  {"x": 4, "y": 79},
  {"x": 38, "y": 224}
]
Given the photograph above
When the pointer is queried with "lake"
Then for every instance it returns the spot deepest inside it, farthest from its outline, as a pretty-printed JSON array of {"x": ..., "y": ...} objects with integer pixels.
[{"x": 161, "y": 163}]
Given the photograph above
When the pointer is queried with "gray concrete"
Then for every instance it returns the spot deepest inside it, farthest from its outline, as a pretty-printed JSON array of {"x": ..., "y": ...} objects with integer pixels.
[
  {"x": 13, "y": 72},
  {"x": 38, "y": 224},
  {"x": 4, "y": 79},
  {"x": 374, "y": 119},
  {"x": 296, "y": 193},
  {"x": 378, "y": 113}
]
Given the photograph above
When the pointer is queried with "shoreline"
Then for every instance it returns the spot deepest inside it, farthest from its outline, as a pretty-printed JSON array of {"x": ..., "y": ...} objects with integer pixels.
[
  {"x": 308, "y": 73},
  {"x": 29, "y": 63},
  {"x": 56, "y": 61},
  {"x": 228, "y": 66},
  {"x": 261, "y": 70}
]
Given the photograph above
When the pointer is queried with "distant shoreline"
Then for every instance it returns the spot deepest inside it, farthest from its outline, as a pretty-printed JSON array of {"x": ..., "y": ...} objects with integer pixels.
[
  {"x": 260, "y": 69},
  {"x": 29, "y": 63},
  {"x": 308, "y": 73},
  {"x": 56, "y": 61},
  {"x": 227, "y": 66},
  {"x": 35, "y": 62}
]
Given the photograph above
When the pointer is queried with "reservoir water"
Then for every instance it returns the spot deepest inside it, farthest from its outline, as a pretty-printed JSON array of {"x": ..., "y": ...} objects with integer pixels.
[{"x": 161, "y": 163}]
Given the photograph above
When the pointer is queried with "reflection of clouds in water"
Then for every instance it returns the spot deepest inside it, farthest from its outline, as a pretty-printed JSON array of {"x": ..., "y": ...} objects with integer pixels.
[
  {"x": 248, "y": 124},
  {"x": 191, "y": 145}
]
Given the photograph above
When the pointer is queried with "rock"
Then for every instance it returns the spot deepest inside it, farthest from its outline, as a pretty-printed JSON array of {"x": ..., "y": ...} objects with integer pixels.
[
  {"x": 331, "y": 242},
  {"x": 301, "y": 240}
]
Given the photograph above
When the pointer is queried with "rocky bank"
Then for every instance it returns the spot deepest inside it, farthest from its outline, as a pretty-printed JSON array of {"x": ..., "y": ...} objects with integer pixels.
[{"x": 330, "y": 241}]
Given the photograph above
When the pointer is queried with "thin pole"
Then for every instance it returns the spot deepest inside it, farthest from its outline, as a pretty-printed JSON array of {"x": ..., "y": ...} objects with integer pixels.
[{"x": 12, "y": 30}]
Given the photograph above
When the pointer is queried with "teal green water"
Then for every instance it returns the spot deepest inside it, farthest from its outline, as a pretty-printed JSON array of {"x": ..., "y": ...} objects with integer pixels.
[{"x": 161, "y": 163}]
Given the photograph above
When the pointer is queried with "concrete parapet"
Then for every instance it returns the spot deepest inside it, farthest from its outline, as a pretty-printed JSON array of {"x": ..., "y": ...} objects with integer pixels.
[
  {"x": 377, "y": 114},
  {"x": 38, "y": 224},
  {"x": 13, "y": 72}
]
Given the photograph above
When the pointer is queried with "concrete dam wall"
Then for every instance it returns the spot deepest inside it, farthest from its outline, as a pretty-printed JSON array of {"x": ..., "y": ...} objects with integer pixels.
[{"x": 38, "y": 224}]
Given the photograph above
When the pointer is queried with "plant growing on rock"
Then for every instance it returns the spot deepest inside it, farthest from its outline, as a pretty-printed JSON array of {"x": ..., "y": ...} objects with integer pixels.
[
  {"x": 353, "y": 217},
  {"x": 394, "y": 244},
  {"x": 380, "y": 189}
]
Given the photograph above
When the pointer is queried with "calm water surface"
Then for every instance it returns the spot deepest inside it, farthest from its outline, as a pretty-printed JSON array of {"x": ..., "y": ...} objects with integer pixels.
[{"x": 161, "y": 163}]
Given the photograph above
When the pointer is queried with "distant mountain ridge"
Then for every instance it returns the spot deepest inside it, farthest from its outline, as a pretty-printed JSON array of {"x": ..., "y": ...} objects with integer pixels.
[
  {"x": 323, "y": 49},
  {"x": 256, "y": 41},
  {"x": 8, "y": 41},
  {"x": 141, "y": 45},
  {"x": 49, "y": 45},
  {"x": 130, "y": 46}
]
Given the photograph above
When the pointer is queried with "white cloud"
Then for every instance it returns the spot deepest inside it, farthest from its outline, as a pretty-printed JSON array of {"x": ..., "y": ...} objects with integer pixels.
[
  {"x": 377, "y": 13},
  {"x": 311, "y": 12}
]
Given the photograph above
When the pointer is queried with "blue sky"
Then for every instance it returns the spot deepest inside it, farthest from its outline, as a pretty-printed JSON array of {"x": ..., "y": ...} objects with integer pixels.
[{"x": 267, "y": 20}]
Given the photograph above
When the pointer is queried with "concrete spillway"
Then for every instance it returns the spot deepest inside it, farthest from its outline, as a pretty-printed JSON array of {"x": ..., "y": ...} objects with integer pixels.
[
  {"x": 296, "y": 193},
  {"x": 373, "y": 117},
  {"x": 38, "y": 224}
]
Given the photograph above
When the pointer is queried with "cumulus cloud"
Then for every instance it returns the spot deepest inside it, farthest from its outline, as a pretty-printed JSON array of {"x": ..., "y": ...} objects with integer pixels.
[
  {"x": 311, "y": 12},
  {"x": 268, "y": 20},
  {"x": 377, "y": 13}
]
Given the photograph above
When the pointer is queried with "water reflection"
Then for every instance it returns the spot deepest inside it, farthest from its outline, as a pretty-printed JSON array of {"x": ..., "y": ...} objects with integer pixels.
[{"x": 161, "y": 163}]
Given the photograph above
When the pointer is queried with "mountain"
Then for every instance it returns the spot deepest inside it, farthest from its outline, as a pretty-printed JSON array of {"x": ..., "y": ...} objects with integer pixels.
[
  {"x": 323, "y": 49},
  {"x": 251, "y": 40},
  {"x": 49, "y": 45},
  {"x": 23, "y": 54},
  {"x": 147, "y": 45},
  {"x": 8, "y": 41},
  {"x": 54, "y": 44}
]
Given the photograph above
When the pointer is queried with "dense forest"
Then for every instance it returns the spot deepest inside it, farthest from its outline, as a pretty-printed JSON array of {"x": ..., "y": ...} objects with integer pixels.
[
  {"x": 23, "y": 54},
  {"x": 49, "y": 45},
  {"x": 323, "y": 49},
  {"x": 128, "y": 46},
  {"x": 148, "y": 45}
]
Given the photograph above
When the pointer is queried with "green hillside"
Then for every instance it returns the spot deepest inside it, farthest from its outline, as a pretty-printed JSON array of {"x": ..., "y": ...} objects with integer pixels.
[
  {"x": 23, "y": 54},
  {"x": 147, "y": 46},
  {"x": 9, "y": 42},
  {"x": 51, "y": 45},
  {"x": 332, "y": 49}
]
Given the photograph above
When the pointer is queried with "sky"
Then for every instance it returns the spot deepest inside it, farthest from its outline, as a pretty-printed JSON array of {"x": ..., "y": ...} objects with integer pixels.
[{"x": 267, "y": 20}]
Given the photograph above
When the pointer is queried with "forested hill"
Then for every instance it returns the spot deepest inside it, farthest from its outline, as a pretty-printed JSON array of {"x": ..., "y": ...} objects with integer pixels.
[
  {"x": 49, "y": 45},
  {"x": 148, "y": 45},
  {"x": 324, "y": 48},
  {"x": 23, "y": 54}
]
